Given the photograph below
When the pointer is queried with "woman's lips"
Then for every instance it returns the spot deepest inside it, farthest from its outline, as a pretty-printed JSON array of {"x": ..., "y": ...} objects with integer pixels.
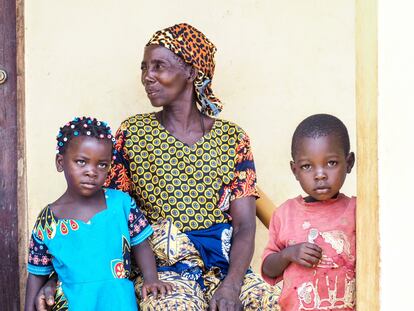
[{"x": 151, "y": 93}]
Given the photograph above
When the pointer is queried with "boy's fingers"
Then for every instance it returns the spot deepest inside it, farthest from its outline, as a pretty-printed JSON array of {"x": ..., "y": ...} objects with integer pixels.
[
  {"x": 314, "y": 247},
  {"x": 305, "y": 263},
  {"x": 312, "y": 253}
]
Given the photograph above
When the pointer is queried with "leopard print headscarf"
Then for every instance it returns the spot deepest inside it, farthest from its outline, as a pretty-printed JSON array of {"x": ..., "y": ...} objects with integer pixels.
[{"x": 195, "y": 49}]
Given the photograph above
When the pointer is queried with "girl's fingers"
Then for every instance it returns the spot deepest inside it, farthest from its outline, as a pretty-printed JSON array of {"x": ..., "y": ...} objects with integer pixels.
[
  {"x": 144, "y": 293},
  {"x": 41, "y": 303}
]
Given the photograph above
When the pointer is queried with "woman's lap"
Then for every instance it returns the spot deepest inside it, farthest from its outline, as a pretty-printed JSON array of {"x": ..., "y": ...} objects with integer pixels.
[{"x": 188, "y": 295}]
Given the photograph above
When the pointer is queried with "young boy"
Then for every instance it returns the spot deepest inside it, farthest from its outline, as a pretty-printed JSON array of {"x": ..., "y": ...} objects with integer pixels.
[{"x": 312, "y": 239}]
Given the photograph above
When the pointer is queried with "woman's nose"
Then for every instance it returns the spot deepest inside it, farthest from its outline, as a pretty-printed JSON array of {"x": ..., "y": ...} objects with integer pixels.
[{"x": 147, "y": 76}]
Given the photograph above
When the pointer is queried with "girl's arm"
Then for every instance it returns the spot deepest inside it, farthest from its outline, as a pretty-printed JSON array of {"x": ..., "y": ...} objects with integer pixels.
[
  {"x": 144, "y": 257},
  {"x": 34, "y": 284}
]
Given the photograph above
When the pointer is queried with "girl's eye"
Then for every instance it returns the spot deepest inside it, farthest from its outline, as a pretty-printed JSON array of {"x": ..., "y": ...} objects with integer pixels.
[
  {"x": 102, "y": 165},
  {"x": 332, "y": 163},
  {"x": 80, "y": 162},
  {"x": 305, "y": 167}
]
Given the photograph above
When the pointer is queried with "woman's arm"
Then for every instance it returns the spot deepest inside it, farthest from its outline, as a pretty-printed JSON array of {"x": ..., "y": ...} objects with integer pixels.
[
  {"x": 34, "y": 284},
  {"x": 243, "y": 213}
]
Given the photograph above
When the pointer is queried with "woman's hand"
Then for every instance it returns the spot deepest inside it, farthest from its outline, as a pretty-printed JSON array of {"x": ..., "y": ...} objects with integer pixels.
[
  {"x": 45, "y": 298},
  {"x": 156, "y": 287},
  {"x": 226, "y": 298}
]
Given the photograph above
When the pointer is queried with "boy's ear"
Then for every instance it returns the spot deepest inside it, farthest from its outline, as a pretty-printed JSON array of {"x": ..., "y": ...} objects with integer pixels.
[
  {"x": 350, "y": 161},
  {"x": 294, "y": 169},
  {"x": 59, "y": 163}
]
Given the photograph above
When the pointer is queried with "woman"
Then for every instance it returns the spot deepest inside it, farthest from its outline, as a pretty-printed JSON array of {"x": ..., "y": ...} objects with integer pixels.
[{"x": 194, "y": 178}]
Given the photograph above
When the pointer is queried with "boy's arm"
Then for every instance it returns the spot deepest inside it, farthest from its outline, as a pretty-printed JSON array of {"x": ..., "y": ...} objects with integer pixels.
[
  {"x": 305, "y": 254},
  {"x": 34, "y": 283}
]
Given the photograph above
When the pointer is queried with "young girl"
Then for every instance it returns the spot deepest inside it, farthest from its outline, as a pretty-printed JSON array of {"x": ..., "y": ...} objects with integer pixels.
[
  {"x": 85, "y": 236},
  {"x": 312, "y": 239}
]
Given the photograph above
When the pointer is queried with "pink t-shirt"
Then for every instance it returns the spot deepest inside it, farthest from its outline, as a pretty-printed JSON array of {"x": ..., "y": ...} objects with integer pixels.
[{"x": 330, "y": 225}]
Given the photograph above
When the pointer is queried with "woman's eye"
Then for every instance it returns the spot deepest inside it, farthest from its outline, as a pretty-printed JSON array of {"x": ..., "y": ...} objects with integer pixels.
[
  {"x": 332, "y": 163},
  {"x": 305, "y": 167},
  {"x": 80, "y": 162}
]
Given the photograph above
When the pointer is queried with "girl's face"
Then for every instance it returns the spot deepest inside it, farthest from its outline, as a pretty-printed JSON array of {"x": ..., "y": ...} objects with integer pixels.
[
  {"x": 320, "y": 165},
  {"x": 86, "y": 164},
  {"x": 165, "y": 78}
]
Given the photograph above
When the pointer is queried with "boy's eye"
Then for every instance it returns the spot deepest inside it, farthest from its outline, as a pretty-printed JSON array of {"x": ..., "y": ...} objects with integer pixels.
[
  {"x": 80, "y": 162},
  {"x": 332, "y": 163},
  {"x": 305, "y": 167}
]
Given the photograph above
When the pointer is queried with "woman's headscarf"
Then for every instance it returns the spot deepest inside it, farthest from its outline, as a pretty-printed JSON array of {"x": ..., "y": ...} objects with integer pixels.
[{"x": 196, "y": 50}]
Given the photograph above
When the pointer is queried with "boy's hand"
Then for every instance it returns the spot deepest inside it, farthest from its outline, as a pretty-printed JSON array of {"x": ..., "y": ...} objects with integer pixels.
[
  {"x": 156, "y": 287},
  {"x": 305, "y": 254}
]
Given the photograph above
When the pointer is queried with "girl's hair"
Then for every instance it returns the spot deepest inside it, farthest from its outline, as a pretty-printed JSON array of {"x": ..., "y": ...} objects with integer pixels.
[{"x": 82, "y": 126}]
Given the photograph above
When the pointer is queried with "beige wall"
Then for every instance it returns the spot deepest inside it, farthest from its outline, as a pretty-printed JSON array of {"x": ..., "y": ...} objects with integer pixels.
[{"x": 277, "y": 62}]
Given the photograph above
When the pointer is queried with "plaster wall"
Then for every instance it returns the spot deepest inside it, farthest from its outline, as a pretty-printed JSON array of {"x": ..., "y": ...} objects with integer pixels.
[{"x": 277, "y": 62}]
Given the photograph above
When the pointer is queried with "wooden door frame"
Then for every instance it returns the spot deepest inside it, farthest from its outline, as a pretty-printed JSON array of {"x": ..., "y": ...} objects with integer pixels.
[
  {"x": 13, "y": 208},
  {"x": 368, "y": 245}
]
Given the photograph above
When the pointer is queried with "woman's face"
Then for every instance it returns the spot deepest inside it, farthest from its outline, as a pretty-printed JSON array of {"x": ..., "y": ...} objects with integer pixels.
[{"x": 166, "y": 79}]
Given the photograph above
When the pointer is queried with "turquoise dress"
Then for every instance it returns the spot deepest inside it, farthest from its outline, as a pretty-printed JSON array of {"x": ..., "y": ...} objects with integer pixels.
[{"x": 92, "y": 259}]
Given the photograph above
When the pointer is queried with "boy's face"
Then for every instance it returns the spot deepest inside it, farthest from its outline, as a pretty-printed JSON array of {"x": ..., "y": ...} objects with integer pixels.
[{"x": 320, "y": 165}]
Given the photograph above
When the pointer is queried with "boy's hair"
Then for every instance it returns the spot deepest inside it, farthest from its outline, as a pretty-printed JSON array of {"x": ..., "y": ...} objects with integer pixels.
[
  {"x": 82, "y": 126},
  {"x": 319, "y": 125}
]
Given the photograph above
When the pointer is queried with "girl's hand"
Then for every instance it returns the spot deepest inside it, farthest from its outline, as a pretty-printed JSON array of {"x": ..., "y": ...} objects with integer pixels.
[
  {"x": 45, "y": 298},
  {"x": 156, "y": 287},
  {"x": 305, "y": 254}
]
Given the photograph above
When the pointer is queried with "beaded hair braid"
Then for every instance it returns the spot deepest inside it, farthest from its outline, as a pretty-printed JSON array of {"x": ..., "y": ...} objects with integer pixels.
[{"x": 83, "y": 126}]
